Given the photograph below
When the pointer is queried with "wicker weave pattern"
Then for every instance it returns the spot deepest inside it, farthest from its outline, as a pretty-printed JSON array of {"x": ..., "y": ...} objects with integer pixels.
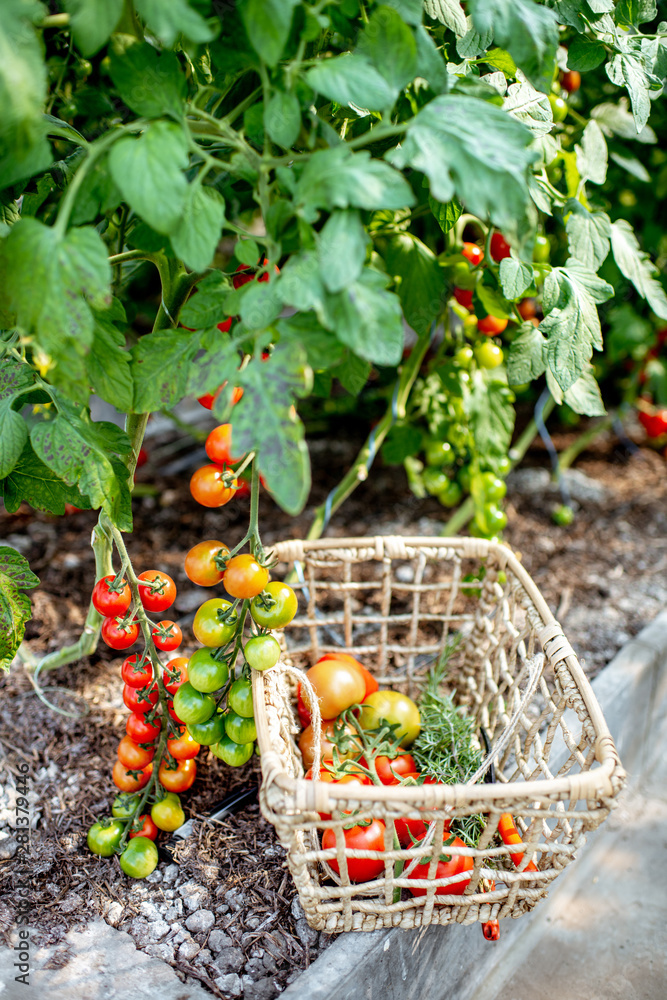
[{"x": 394, "y": 603}]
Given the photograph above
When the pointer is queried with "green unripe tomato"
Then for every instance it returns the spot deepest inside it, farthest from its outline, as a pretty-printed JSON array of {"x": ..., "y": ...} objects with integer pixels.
[
  {"x": 205, "y": 673},
  {"x": 494, "y": 487},
  {"x": 563, "y": 515},
  {"x": 489, "y": 355},
  {"x": 542, "y": 249},
  {"x": 462, "y": 275},
  {"x": 234, "y": 754},
  {"x": 191, "y": 705},
  {"x": 262, "y": 652},
  {"x": 139, "y": 858},
  {"x": 239, "y": 698},
  {"x": 394, "y": 708},
  {"x": 435, "y": 480},
  {"x": 209, "y": 628},
  {"x": 208, "y": 732},
  {"x": 439, "y": 453},
  {"x": 167, "y": 813},
  {"x": 239, "y": 729},
  {"x": 463, "y": 476},
  {"x": 104, "y": 837},
  {"x": 492, "y": 519},
  {"x": 502, "y": 466},
  {"x": 464, "y": 356},
  {"x": 275, "y": 607},
  {"x": 125, "y": 804},
  {"x": 451, "y": 495},
  {"x": 558, "y": 108}
]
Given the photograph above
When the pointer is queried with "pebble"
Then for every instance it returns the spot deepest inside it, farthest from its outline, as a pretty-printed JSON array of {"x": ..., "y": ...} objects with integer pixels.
[
  {"x": 8, "y": 848},
  {"x": 157, "y": 929},
  {"x": 217, "y": 940},
  {"x": 230, "y": 985},
  {"x": 255, "y": 968},
  {"x": 169, "y": 873},
  {"x": 188, "y": 950},
  {"x": 114, "y": 913},
  {"x": 193, "y": 896},
  {"x": 235, "y": 898},
  {"x": 262, "y": 989},
  {"x": 269, "y": 963},
  {"x": 202, "y": 920},
  {"x": 163, "y": 951},
  {"x": 229, "y": 960},
  {"x": 149, "y": 910},
  {"x": 70, "y": 903},
  {"x": 174, "y": 911},
  {"x": 139, "y": 929},
  {"x": 307, "y": 936}
]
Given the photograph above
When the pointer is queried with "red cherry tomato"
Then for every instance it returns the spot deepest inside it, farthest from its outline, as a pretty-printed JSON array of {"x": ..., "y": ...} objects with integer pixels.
[
  {"x": 655, "y": 424},
  {"x": 245, "y": 577},
  {"x": 140, "y": 700},
  {"x": 571, "y": 80},
  {"x": 157, "y": 590},
  {"x": 473, "y": 253},
  {"x": 390, "y": 770},
  {"x": 219, "y": 445},
  {"x": 109, "y": 600},
  {"x": 142, "y": 457},
  {"x": 119, "y": 633},
  {"x": 464, "y": 297},
  {"x": 177, "y": 776},
  {"x": 499, "y": 246},
  {"x": 491, "y": 325},
  {"x": 175, "y": 673},
  {"x": 527, "y": 309},
  {"x": 359, "y": 838},
  {"x": 139, "y": 729},
  {"x": 302, "y": 710},
  {"x": 147, "y": 828},
  {"x": 242, "y": 279},
  {"x": 137, "y": 671},
  {"x": 132, "y": 755},
  {"x": 167, "y": 636},
  {"x": 457, "y": 864},
  {"x": 208, "y": 488},
  {"x": 130, "y": 779}
]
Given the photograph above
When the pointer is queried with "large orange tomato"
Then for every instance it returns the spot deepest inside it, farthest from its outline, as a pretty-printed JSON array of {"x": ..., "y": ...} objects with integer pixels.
[{"x": 337, "y": 684}]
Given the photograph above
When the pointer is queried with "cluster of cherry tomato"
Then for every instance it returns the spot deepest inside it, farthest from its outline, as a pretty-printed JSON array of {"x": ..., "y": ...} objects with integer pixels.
[{"x": 112, "y": 598}]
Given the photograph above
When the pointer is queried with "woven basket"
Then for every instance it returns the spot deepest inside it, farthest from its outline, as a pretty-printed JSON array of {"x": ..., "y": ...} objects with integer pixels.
[{"x": 395, "y": 603}]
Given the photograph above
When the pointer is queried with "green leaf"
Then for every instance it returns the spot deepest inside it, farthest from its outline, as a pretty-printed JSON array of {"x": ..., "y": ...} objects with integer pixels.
[
  {"x": 527, "y": 355},
  {"x": 421, "y": 287},
  {"x": 247, "y": 252},
  {"x": 446, "y": 215},
  {"x": 160, "y": 363},
  {"x": 13, "y": 436},
  {"x": 584, "y": 396},
  {"x": 92, "y": 22},
  {"x": 301, "y": 283},
  {"x": 108, "y": 365},
  {"x": 15, "y": 610},
  {"x": 265, "y": 422},
  {"x": 633, "y": 166},
  {"x": 490, "y": 415},
  {"x": 168, "y": 20},
  {"x": 588, "y": 234},
  {"x": 430, "y": 64},
  {"x": 390, "y": 45},
  {"x": 368, "y": 319},
  {"x": 267, "y": 23},
  {"x": 501, "y": 60},
  {"x": 15, "y": 377},
  {"x": 341, "y": 249},
  {"x": 196, "y": 236},
  {"x": 592, "y": 154},
  {"x": 448, "y": 12},
  {"x": 149, "y": 173},
  {"x": 402, "y": 441},
  {"x": 528, "y": 32},
  {"x": 282, "y": 118},
  {"x": 322, "y": 348},
  {"x": 353, "y": 373},
  {"x": 637, "y": 266},
  {"x": 260, "y": 305},
  {"x": 450, "y": 141},
  {"x": 529, "y": 106},
  {"x": 151, "y": 83},
  {"x": 626, "y": 69},
  {"x": 615, "y": 119},
  {"x": 349, "y": 79},
  {"x": 15, "y": 567},
  {"x": 493, "y": 302},
  {"x": 97, "y": 194},
  {"x": 635, "y": 12},
  {"x": 206, "y": 308},
  {"x": 39, "y": 486},
  {"x": 516, "y": 277},
  {"x": 571, "y": 321},
  {"x": 51, "y": 283},
  {"x": 338, "y": 178},
  {"x": 585, "y": 53}
]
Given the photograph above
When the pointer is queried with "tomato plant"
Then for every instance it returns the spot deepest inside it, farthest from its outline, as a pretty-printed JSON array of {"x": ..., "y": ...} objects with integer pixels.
[
  {"x": 192, "y": 706},
  {"x": 239, "y": 728},
  {"x": 130, "y": 779},
  {"x": 167, "y": 636},
  {"x": 175, "y": 673},
  {"x": 232, "y": 753},
  {"x": 145, "y": 827},
  {"x": 182, "y": 746},
  {"x": 133, "y": 756},
  {"x": 139, "y": 729},
  {"x": 205, "y": 672},
  {"x": 215, "y": 622},
  {"x": 137, "y": 671},
  {"x": 239, "y": 698},
  {"x": 140, "y": 700}
]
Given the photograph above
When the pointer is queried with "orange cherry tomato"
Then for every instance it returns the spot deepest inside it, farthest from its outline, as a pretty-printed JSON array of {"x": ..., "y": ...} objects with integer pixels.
[
  {"x": 175, "y": 673},
  {"x": 219, "y": 445},
  {"x": 177, "y": 776},
  {"x": 337, "y": 684},
  {"x": 473, "y": 253},
  {"x": 133, "y": 756},
  {"x": 244, "y": 577},
  {"x": 571, "y": 80},
  {"x": 130, "y": 779},
  {"x": 527, "y": 309},
  {"x": 182, "y": 746},
  {"x": 491, "y": 325},
  {"x": 208, "y": 488},
  {"x": 370, "y": 682},
  {"x": 201, "y": 562},
  {"x": 307, "y": 743}
]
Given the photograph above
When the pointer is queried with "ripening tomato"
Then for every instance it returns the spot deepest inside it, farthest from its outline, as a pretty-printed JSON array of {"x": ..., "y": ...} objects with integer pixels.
[
  {"x": 182, "y": 746},
  {"x": 157, "y": 590},
  {"x": 139, "y": 729},
  {"x": 571, "y": 80},
  {"x": 488, "y": 355},
  {"x": 137, "y": 671},
  {"x": 337, "y": 684},
  {"x": 473, "y": 253},
  {"x": 130, "y": 779},
  {"x": 356, "y": 778},
  {"x": 111, "y": 599},
  {"x": 191, "y": 705},
  {"x": 177, "y": 776},
  {"x": 209, "y": 732},
  {"x": 349, "y": 747},
  {"x": 464, "y": 297},
  {"x": 275, "y": 607},
  {"x": 205, "y": 563},
  {"x": 527, "y": 309},
  {"x": 167, "y": 813},
  {"x": 140, "y": 700},
  {"x": 242, "y": 279},
  {"x": 132, "y": 756},
  {"x": 449, "y": 865},
  {"x": 245, "y": 577},
  {"x": 262, "y": 652},
  {"x": 359, "y": 838},
  {"x": 390, "y": 770},
  {"x": 206, "y": 673},
  {"x": 369, "y": 680},
  {"x": 219, "y": 445},
  {"x": 175, "y": 674},
  {"x": 211, "y": 626},
  {"x": 104, "y": 837},
  {"x": 392, "y": 707},
  {"x": 499, "y": 247},
  {"x": 139, "y": 858},
  {"x": 167, "y": 636},
  {"x": 145, "y": 827},
  {"x": 491, "y": 325},
  {"x": 119, "y": 633},
  {"x": 125, "y": 804},
  {"x": 208, "y": 486},
  {"x": 302, "y": 709}
]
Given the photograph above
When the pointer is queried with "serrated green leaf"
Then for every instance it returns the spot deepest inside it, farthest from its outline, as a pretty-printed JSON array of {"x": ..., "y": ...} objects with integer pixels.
[
  {"x": 149, "y": 173},
  {"x": 527, "y": 355},
  {"x": 588, "y": 234},
  {"x": 448, "y": 12},
  {"x": 501, "y": 60},
  {"x": 637, "y": 266},
  {"x": 584, "y": 396},
  {"x": 352, "y": 373},
  {"x": 265, "y": 421},
  {"x": 528, "y": 32},
  {"x": 472, "y": 149},
  {"x": 196, "y": 236},
  {"x": 632, "y": 165},
  {"x": 516, "y": 277},
  {"x": 529, "y": 106},
  {"x": 92, "y": 22},
  {"x": 168, "y": 20},
  {"x": 493, "y": 302},
  {"x": 585, "y": 53},
  {"x": 15, "y": 608},
  {"x": 431, "y": 65},
  {"x": 490, "y": 415},
  {"x": 349, "y": 79},
  {"x": 15, "y": 567},
  {"x": 206, "y": 307},
  {"x": 338, "y": 178},
  {"x": 341, "y": 249},
  {"x": 592, "y": 154},
  {"x": 446, "y": 215},
  {"x": 151, "y": 83},
  {"x": 615, "y": 119},
  {"x": 15, "y": 377},
  {"x": 260, "y": 305},
  {"x": 635, "y": 12},
  {"x": 210, "y": 369},
  {"x": 322, "y": 348},
  {"x": 301, "y": 283},
  {"x": 13, "y": 436},
  {"x": 34, "y": 482},
  {"x": 160, "y": 364},
  {"x": 282, "y": 118},
  {"x": 108, "y": 365},
  {"x": 368, "y": 319},
  {"x": 421, "y": 287},
  {"x": 626, "y": 69},
  {"x": 97, "y": 194},
  {"x": 267, "y": 24},
  {"x": 390, "y": 45},
  {"x": 247, "y": 252}
]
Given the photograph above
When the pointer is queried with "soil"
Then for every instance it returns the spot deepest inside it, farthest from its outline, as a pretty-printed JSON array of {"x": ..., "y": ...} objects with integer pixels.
[{"x": 604, "y": 577}]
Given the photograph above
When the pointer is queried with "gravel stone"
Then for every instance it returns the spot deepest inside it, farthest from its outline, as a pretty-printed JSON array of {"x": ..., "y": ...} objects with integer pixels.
[
  {"x": 230, "y": 985},
  {"x": 217, "y": 940},
  {"x": 163, "y": 951},
  {"x": 149, "y": 910},
  {"x": 202, "y": 920},
  {"x": 255, "y": 968},
  {"x": 235, "y": 898},
  {"x": 73, "y": 901},
  {"x": 307, "y": 936},
  {"x": 175, "y": 911},
  {"x": 140, "y": 931},
  {"x": 263, "y": 989},
  {"x": 154, "y": 877},
  {"x": 229, "y": 960},
  {"x": 114, "y": 913},
  {"x": 8, "y": 848},
  {"x": 204, "y": 957},
  {"x": 170, "y": 873},
  {"x": 180, "y": 934},
  {"x": 194, "y": 896},
  {"x": 269, "y": 963},
  {"x": 188, "y": 950},
  {"x": 297, "y": 908},
  {"x": 157, "y": 929}
]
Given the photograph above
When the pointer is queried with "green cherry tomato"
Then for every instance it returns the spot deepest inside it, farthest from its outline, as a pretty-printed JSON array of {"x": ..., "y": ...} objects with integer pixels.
[
  {"x": 234, "y": 754},
  {"x": 502, "y": 466},
  {"x": 488, "y": 355},
  {"x": 241, "y": 730},
  {"x": 208, "y": 732},
  {"x": 104, "y": 837},
  {"x": 542, "y": 249},
  {"x": 393, "y": 708},
  {"x": 435, "y": 480},
  {"x": 451, "y": 495},
  {"x": 262, "y": 652},
  {"x": 463, "y": 477},
  {"x": 167, "y": 813},
  {"x": 191, "y": 705},
  {"x": 494, "y": 487},
  {"x": 205, "y": 673},
  {"x": 491, "y": 519},
  {"x": 464, "y": 356},
  {"x": 440, "y": 452},
  {"x": 207, "y": 626},
  {"x": 239, "y": 698},
  {"x": 275, "y": 607},
  {"x": 558, "y": 108},
  {"x": 563, "y": 515},
  {"x": 124, "y": 805},
  {"x": 139, "y": 858}
]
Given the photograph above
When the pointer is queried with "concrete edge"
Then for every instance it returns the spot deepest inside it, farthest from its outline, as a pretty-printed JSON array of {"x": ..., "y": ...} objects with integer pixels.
[{"x": 629, "y": 690}]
